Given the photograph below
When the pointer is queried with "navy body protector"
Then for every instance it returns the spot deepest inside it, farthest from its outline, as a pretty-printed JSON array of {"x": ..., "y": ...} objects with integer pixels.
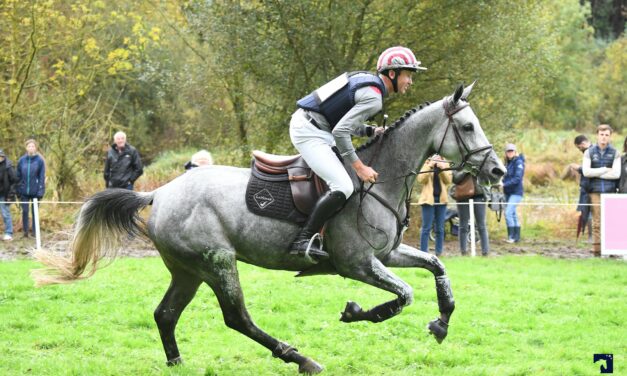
[
  {"x": 597, "y": 160},
  {"x": 341, "y": 101}
]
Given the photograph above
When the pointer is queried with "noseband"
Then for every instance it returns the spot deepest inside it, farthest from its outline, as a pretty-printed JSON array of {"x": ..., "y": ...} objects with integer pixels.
[{"x": 465, "y": 152}]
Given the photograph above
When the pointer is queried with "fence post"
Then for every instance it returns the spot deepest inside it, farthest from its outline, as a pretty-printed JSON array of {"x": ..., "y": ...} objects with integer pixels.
[
  {"x": 471, "y": 207},
  {"x": 36, "y": 218}
]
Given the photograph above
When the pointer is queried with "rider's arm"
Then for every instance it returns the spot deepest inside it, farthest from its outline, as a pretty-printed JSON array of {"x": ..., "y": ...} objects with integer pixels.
[
  {"x": 368, "y": 101},
  {"x": 363, "y": 130}
]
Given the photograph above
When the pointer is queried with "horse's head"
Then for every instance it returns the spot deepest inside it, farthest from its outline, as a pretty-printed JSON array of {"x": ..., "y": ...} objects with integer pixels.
[{"x": 462, "y": 140}]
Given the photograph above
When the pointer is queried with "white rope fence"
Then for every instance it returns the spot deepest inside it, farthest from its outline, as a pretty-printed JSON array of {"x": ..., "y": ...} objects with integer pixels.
[
  {"x": 36, "y": 204},
  {"x": 470, "y": 202}
]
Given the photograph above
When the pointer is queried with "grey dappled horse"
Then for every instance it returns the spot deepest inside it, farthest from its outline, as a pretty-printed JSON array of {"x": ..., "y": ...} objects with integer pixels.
[{"x": 201, "y": 227}]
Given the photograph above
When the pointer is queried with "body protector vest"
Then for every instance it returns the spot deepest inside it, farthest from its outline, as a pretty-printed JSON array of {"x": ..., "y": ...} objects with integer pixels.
[
  {"x": 598, "y": 159},
  {"x": 334, "y": 99}
]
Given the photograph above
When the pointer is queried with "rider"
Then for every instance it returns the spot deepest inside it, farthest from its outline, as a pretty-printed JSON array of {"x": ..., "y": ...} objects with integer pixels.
[{"x": 328, "y": 117}]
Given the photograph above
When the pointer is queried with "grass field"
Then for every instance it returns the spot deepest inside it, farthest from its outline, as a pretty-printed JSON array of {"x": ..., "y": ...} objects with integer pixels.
[{"x": 516, "y": 315}]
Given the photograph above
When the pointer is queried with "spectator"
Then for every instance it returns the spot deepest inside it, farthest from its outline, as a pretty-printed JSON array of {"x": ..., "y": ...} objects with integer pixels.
[
  {"x": 582, "y": 143},
  {"x": 622, "y": 185},
  {"x": 8, "y": 178},
  {"x": 31, "y": 175},
  {"x": 123, "y": 165},
  {"x": 513, "y": 190},
  {"x": 479, "y": 207},
  {"x": 601, "y": 163},
  {"x": 433, "y": 199},
  {"x": 201, "y": 158}
]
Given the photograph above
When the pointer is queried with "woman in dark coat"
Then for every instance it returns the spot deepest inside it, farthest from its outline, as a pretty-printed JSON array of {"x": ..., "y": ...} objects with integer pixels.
[{"x": 31, "y": 173}]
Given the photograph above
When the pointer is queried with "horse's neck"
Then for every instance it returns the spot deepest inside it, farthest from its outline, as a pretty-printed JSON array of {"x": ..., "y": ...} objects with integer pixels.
[{"x": 403, "y": 150}]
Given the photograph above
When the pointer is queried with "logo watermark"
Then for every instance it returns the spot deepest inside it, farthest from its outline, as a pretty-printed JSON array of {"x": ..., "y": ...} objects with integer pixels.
[{"x": 608, "y": 367}]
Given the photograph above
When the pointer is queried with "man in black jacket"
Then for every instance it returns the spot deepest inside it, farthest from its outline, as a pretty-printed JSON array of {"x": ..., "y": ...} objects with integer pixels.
[
  {"x": 123, "y": 165},
  {"x": 7, "y": 179}
]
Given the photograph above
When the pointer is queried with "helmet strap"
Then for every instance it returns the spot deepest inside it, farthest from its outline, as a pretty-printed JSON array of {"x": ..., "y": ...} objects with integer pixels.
[{"x": 395, "y": 79}]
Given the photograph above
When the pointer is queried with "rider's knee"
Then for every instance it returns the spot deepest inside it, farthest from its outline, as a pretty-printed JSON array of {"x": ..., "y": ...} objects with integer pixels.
[{"x": 346, "y": 189}]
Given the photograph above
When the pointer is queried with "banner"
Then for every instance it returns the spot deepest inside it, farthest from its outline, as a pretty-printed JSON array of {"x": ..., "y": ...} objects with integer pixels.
[{"x": 614, "y": 224}]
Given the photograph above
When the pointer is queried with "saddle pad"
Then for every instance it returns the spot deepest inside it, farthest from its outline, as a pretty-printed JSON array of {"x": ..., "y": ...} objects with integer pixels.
[{"x": 272, "y": 197}]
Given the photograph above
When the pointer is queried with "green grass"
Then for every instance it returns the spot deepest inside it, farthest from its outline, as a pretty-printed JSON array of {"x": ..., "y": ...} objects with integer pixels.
[{"x": 525, "y": 315}]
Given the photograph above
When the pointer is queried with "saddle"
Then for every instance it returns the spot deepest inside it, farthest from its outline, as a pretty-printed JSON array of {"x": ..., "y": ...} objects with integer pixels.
[{"x": 282, "y": 187}]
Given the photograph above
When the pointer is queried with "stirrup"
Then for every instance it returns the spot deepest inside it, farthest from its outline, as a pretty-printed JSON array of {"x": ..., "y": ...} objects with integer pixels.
[{"x": 320, "y": 254}]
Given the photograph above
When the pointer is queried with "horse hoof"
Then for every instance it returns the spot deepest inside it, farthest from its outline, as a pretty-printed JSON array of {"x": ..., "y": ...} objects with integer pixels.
[
  {"x": 174, "y": 362},
  {"x": 439, "y": 329},
  {"x": 309, "y": 367},
  {"x": 351, "y": 312}
]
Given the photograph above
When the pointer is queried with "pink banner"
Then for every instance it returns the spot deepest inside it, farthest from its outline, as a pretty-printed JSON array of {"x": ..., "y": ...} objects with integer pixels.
[{"x": 614, "y": 224}]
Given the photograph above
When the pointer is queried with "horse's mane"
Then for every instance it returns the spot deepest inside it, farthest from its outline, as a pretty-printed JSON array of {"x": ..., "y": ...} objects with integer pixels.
[{"x": 397, "y": 124}]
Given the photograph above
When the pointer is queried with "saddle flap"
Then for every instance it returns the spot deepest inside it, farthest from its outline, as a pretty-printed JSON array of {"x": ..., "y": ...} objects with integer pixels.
[{"x": 304, "y": 185}]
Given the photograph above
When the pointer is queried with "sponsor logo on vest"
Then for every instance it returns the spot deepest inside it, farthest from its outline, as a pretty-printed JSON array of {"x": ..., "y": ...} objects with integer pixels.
[{"x": 263, "y": 198}]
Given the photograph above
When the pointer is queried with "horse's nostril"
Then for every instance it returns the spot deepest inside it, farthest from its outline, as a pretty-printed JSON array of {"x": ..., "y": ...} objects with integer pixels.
[{"x": 498, "y": 171}]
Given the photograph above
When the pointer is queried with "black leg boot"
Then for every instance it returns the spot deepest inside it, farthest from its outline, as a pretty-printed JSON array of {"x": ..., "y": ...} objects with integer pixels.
[
  {"x": 327, "y": 205},
  {"x": 516, "y": 234}
]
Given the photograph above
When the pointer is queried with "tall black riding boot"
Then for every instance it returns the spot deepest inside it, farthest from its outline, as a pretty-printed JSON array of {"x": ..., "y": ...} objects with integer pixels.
[{"x": 327, "y": 205}]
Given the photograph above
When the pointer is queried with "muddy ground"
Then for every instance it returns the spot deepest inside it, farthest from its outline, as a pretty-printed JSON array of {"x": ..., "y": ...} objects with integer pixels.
[{"x": 23, "y": 248}]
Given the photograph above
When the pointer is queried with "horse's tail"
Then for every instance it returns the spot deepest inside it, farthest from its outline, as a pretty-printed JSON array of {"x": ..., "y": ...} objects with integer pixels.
[{"x": 106, "y": 221}]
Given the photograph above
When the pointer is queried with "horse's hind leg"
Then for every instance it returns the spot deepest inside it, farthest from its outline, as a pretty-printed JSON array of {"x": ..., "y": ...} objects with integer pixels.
[
  {"x": 376, "y": 274},
  {"x": 408, "y": 257},
  {"x": 182, "y": 289},
  {"x": 224, "y": 281}
]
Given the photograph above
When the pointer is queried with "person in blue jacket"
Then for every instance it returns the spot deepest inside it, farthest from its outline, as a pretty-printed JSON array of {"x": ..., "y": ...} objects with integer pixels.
[
  {"x": 513, "y": 190},
  {"x": 31, "y": 174}
]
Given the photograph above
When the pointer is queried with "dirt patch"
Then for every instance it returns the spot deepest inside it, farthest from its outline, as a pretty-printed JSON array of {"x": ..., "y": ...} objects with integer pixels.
[{"x": 24, "y": 248}]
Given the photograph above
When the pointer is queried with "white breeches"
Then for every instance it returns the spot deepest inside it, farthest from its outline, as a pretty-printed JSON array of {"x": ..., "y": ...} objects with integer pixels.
[{"x": 315, "y": 147}]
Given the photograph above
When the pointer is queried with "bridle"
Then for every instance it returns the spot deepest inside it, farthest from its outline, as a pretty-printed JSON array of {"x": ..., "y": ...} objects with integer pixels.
[{"x": 465, "y": 152}]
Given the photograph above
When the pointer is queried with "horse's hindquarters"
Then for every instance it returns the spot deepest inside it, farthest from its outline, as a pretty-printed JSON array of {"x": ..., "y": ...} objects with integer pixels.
[{"x": 205, "y": 210}]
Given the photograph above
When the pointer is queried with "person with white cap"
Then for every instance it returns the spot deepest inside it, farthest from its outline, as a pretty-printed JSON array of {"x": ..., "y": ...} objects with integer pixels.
[
  {"x": 328, "y": 117},
  {"x": 513, "y": 190}
]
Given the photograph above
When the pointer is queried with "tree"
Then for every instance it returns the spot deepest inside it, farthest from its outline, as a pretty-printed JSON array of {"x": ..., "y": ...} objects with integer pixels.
[{"x": 66, "y": 67}]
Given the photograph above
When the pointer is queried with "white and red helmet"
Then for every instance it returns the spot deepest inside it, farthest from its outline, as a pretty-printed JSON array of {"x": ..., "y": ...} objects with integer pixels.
[{"x": 398, "y": 57}]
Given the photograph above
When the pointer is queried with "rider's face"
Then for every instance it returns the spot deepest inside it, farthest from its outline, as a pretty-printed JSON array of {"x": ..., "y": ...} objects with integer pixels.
[{"x": 404, "y": 81}]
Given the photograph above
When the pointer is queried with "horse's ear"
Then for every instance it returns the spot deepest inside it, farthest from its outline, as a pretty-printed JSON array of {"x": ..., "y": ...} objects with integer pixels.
[
  {"x": 458, "y": 93},
  {"x": 467, "y": 91}
]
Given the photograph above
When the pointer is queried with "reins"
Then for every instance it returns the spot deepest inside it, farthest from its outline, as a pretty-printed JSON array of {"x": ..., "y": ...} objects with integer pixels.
[{"x": 403, "y": 223}]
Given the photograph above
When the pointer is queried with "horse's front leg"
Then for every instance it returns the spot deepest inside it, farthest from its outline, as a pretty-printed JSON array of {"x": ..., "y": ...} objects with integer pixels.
[
  {"x": 374, "y": 273},
  {"x": 408, "y": 257}
]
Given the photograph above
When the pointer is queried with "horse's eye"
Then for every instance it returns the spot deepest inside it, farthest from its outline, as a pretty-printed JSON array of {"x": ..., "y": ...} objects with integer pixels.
[{"x": 468, "y": 127}]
